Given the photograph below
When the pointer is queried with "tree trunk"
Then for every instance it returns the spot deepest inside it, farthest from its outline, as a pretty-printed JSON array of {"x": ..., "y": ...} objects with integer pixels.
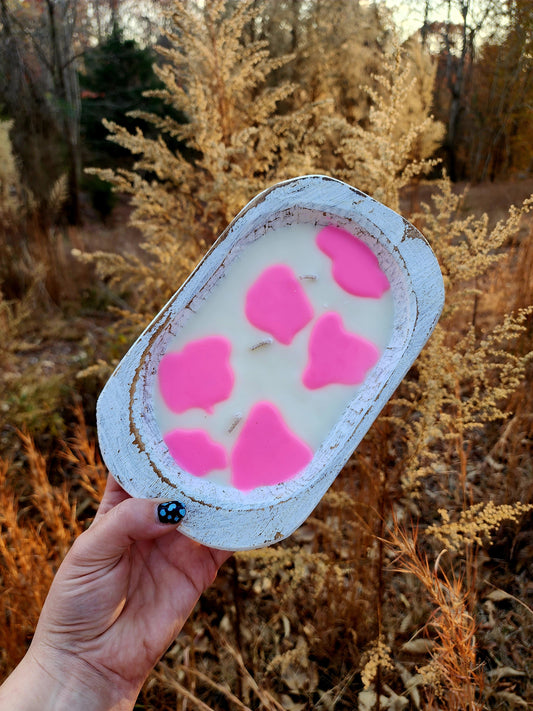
[
  {"x": 66, "y": 85},
  {"x": 455, "y": 80}
]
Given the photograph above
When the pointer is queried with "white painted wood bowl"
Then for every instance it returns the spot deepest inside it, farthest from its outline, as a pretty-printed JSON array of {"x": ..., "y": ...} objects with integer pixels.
[{"x": 129, "y": 412}]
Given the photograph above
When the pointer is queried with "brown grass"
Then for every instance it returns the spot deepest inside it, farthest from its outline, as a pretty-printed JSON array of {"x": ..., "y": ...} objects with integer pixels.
[{"x": 39, "y": 521}]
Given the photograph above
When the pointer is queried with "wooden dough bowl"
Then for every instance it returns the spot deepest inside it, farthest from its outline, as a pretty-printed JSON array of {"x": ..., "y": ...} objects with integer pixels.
[{"x": 223, "y": 516}]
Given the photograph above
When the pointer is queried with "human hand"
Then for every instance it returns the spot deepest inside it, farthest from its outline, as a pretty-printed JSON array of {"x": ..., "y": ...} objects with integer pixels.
[{"x": 118, "y": 600}]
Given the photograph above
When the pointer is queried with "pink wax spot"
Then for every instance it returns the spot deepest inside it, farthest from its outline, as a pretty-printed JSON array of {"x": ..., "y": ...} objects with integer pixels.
[
  {"x": 200, "y": 375},
  {"x": 267, "y": 452},
  {"x": 337, "y": 356},
  {"x": 276, "y": 303},
  {"x": 355, "y": 266},
  {"x": 195, "y": 451}
]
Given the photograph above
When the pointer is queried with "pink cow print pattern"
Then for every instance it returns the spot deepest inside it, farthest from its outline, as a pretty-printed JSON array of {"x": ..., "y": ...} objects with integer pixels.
[{"x": 265, "y": 449}]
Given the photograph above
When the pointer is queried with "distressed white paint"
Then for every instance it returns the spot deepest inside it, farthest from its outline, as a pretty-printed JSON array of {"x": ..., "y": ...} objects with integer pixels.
[{"x": 225, "y": 517}]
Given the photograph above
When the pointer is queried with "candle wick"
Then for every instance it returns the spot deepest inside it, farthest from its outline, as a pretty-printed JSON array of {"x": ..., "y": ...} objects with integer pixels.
[
  {"x": 234, "y": 423},
  {"x": 266, "y": 342}
]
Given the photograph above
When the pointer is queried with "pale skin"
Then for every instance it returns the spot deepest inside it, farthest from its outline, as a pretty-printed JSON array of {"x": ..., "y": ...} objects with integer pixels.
[{"x": 118, "y": 600}]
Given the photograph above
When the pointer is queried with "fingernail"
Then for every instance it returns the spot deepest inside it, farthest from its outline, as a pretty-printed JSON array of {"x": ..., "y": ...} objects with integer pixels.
[{"x": 170, "y": 512}]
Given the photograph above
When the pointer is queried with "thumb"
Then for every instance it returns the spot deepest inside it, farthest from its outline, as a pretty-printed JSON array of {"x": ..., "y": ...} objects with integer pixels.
[{"x": 112, "y": 533}]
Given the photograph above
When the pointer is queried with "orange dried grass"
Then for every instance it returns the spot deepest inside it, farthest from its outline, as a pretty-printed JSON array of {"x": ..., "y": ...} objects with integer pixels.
[
  {"x": 453, "y": 671},
  {"x": 36, "y": 530}
]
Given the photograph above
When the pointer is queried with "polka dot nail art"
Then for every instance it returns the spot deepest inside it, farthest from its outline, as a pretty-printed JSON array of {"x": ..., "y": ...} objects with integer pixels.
[{"x": 170, "y": 512}]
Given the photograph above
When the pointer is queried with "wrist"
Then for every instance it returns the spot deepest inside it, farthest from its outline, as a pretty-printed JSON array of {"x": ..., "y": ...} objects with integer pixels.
[{"x": 58, "y": 681}]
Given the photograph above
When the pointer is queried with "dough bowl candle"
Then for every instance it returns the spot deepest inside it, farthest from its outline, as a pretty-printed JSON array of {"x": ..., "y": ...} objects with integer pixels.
[{"x": 249, "y": 391}]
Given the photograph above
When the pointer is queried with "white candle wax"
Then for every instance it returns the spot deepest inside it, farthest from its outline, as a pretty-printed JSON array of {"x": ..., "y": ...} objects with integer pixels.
[{"x": 266, "y": 370}]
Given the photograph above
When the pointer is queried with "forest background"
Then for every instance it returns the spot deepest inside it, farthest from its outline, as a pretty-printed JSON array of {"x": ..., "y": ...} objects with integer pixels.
[{"x": 131, "y": 133}]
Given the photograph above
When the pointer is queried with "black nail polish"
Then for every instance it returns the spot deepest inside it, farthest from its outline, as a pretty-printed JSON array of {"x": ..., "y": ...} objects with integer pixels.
[{"x": 170, "y": 512}]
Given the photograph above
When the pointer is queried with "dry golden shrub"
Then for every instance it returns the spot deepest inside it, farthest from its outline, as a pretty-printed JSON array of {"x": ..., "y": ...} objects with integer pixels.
[
  {"x": 12, "y": 198},
  {"x": 448, "y": 417},
  {"x": 377, "y": 656},
  {"x": 15, "y": 206},
  {"x": 337, "y": 47},
  {"x": 236, "y": 143},
  {"x": 30, "y": 250},
  {"x": 394, "y": 146},
  {"x": 475, "y": 524},
  {"x": 464, "y": 378}
]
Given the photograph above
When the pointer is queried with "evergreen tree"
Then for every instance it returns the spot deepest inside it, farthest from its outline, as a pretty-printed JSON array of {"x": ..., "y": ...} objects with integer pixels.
[{"x": 116, "y": 74}]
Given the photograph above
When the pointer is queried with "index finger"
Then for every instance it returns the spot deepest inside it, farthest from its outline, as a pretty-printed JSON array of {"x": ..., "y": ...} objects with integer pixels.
[{"x": 113, "y": 495}]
